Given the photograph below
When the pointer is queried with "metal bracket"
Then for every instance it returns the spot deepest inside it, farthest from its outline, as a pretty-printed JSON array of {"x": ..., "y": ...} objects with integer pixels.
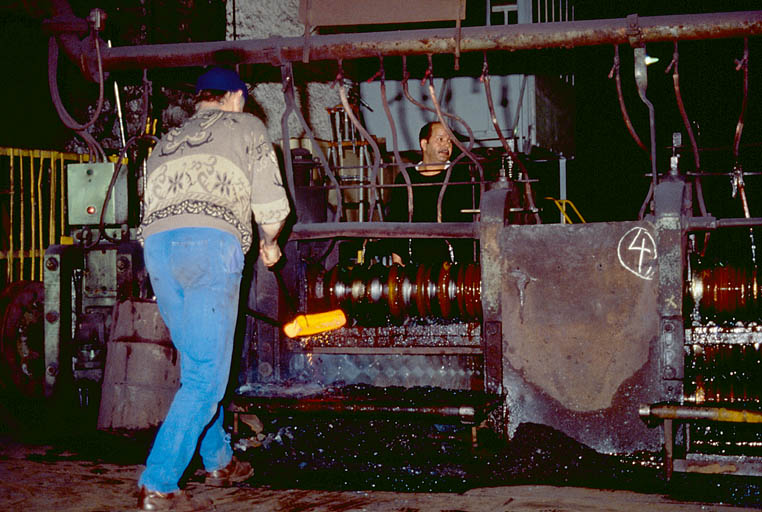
[{"x": 634, "y": 32}]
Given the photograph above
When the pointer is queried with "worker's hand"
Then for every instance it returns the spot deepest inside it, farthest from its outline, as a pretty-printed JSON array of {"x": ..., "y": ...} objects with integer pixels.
[
  {"x": 270, "y": 253},
  {"x": 397, "y": 259}
]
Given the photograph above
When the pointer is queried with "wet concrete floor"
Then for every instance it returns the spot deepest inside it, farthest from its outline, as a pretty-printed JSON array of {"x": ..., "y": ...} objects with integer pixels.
[{"x": 349, "y": 464}]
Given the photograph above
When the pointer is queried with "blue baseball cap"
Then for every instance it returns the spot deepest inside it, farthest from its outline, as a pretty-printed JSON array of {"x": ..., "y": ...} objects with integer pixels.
[{"x": 221, "y": 79}]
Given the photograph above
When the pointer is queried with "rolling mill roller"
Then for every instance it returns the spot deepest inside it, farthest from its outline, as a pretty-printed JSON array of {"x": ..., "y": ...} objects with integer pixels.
[
  {"x": 726, "y": 293},
  {"x": 378, "y": 294},
  {"x": 724, "y": 342}
]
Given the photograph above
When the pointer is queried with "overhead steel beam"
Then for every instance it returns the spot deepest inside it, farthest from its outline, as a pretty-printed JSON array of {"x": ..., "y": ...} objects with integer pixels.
[{"x": 278, "y": 50}]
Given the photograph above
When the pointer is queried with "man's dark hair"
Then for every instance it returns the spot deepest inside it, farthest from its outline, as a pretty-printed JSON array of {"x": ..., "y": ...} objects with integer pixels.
[
  {"x": 426, "y": 130},
  {"x": 213, "y": 95}
]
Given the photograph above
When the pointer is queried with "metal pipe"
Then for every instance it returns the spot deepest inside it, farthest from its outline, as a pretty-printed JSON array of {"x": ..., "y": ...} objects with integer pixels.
[
  {"x": 694, "y": 412},
  {"x": 429, "y": 41},
  {"x": 709, "y": 223},
  {"x": 385, "y": 230},
  {"x": 466, "y": 413},
  {"x": 67, "y": 28},
  {"x": 461, "y": 229}
]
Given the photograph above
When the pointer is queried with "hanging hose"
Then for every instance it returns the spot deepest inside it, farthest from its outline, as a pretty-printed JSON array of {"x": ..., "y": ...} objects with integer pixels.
[
  {"x": 684, "y": 115},
  {"x": 406, "y": 91},
  {"x": 615, "y": 74},
  {"x": 464, "y": 150},
  {"x": 490, "y": 104},
  {"x": 367, "y": 137},
  {"x": 109, "y": 190},
  {"x": 290, "y": 97},
  {"x": 742, "y": 64},
  {"x": 694, "y": 145},
  {"x": 395, "y": 146},
  {"x": 95, "y": 149},
  {"x": 140, "y": 136}
]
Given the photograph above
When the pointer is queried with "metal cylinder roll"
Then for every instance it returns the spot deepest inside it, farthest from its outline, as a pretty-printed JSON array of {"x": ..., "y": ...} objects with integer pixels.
[
  {"x": 724, "y": 373},
  {"x": 379, "y": 294},
  {"x": 727, "y": 293},
  {"x": 724, "y": 349}
]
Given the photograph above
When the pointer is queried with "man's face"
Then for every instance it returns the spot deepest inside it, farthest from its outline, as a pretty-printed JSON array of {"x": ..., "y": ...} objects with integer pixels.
[{"x": 438, "y": 147}]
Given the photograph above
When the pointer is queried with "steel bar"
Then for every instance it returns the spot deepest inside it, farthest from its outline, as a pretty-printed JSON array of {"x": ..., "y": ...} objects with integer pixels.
[
  {"x": 712, "y": 223},
  {"x": 277, "y": 50},
  {"x": 695, "y": 412},
  {"x": 385, "y": 230},
  {"x": 409, "y": 351},
  {"x": 719, "y": 464},
  {"x": 465, "y": 413}
]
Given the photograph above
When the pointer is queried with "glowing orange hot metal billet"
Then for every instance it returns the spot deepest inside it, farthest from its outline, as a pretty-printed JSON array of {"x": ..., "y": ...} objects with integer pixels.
[{"x": 315, "y": 323}]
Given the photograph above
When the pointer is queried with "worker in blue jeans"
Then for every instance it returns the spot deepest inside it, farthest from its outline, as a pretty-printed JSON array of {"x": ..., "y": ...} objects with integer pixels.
[{"x": 206, "y": 179}]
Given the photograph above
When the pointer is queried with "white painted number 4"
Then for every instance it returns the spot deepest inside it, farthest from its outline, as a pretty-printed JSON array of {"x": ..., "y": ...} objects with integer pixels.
[{"x": 637, "y": 252}]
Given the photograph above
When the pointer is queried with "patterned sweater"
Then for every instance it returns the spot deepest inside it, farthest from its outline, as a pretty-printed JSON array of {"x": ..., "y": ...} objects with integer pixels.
[{"x": 214, "y": 171}]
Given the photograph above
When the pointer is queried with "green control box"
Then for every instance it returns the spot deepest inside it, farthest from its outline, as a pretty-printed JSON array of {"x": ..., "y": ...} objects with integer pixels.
[{"x": 87, "y": 187}]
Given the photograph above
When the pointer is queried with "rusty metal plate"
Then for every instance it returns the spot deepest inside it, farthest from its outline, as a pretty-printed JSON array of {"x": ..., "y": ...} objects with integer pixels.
[
  {"x": 139, "y": 320},
  {"x": 578, "y": 306}
]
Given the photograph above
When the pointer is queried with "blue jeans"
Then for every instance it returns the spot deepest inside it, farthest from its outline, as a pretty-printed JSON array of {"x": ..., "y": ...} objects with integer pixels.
[{"x": 196, "y": 276}]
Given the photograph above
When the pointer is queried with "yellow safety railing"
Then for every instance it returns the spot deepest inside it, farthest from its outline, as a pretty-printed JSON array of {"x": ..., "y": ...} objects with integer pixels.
[
  {"x": 32, "y": 207},
  {"x": 561, "y": 204}
]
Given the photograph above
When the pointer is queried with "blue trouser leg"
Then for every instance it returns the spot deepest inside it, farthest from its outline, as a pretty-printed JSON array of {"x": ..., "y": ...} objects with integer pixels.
[{"x": 195, "y": 274}]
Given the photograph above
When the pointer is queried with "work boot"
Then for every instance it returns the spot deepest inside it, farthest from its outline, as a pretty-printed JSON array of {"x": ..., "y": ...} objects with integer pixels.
[
  {"x": 178, "y": 501},
  {"x": 236, "y": 471}
]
